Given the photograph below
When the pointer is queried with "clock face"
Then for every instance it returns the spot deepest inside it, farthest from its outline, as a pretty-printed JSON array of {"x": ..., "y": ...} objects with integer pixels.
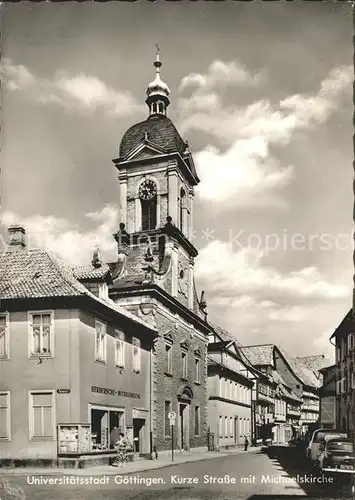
[{"x": 147, "y": 190}]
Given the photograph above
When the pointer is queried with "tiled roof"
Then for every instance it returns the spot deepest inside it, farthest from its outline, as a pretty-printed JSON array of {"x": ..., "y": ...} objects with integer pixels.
[
  {"x": 313, "y": 363},
  {"x": 286, "y": 390},
  {"x": 224, "y": 334},
  {"x": 304, "y": 374},
  {"x": 91, "y": 272},
  {"x": 40, "y": 274},
  {"x": 260, "y": 355},
  {"x": 161, "y": 132}
]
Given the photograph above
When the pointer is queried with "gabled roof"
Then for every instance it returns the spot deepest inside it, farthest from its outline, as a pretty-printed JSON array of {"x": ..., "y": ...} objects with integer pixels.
[
  {"x": 285, "y": 389},
  {"x": 306, "y": 376},
  {"x": 91, "y": 272},
  {"x": 263, "y": 355},
  {"x": 259, "y": 355},
  {"x": 345, "y": 326},
  {"x": 30, "y": 274},
  {"x": 224, "y": 334},
  {"x": 313, "y": 363}
]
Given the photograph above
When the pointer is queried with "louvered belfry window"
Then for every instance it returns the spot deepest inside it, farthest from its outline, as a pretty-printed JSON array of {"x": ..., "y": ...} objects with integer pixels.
[{"x": 149, "y": 214}]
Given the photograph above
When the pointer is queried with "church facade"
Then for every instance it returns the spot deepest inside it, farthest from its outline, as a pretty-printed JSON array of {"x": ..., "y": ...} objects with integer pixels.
[{"x": 154, "y": 273}]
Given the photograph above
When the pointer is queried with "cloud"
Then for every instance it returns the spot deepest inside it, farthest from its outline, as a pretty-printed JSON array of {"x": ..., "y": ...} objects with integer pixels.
[
  {"x": 61, "y": 236},
  {"x": 221, "y": 74},
  {"x": 232, "y": 274},
  {"x": 242, "y": 164},
  {"x": 79, "y": 92},
  {"x": 243, "y": 175}
]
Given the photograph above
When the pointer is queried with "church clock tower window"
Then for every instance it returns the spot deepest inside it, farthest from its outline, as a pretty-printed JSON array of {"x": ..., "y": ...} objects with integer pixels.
[
  {"x": 148, "y": 197},
  {"x": 182, "y": 209}
]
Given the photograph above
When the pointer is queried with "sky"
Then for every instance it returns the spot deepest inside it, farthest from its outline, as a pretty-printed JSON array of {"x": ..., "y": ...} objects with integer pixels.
[{"x": 263, "y": 94}]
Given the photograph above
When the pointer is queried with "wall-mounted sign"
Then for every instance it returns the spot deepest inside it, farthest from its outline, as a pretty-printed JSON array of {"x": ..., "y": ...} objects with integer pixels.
[
  {"x": 114, "y": 392},
  {"x": 63, "y": 391}
]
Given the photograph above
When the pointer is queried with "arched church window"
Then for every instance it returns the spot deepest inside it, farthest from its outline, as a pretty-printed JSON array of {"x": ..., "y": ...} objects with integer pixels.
[
  {"x": 182, "y": 208},
  {"x": 148, "y": 197}
]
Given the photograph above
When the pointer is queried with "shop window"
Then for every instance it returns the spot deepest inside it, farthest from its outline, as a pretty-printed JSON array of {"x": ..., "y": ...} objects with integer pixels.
[
  {"x": 5, "y": 421},
  {"x": 120, "y": 350},
  {"x": 166, "y": 418},
  {"x": 42, "y": 425},
  {"x": 197, "y": 370},
  {"x": 231, "y": 427},
  {"x": 136, "y": 355},
  {"x": 230, "y": 389},
  {"x": 4, "y": 337},
  {"x": 197, "y": 420},
  {"x": 225, "y": 426},
  {"x": 221, "y": 392},
  {"x": 106, "y": 425},
  {"x": 100, "y": 345},
  {"x": 168, "y": 358},
  {"x": 41, "y": 334}
]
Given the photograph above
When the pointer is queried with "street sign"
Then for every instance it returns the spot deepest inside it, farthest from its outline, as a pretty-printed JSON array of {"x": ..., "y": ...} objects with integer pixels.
[
  {"x": 172, "y": 421},
  {"x": 171, "y": 415}
]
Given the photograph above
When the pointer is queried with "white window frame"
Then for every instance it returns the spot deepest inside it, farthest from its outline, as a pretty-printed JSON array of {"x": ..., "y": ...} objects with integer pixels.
[
  {"x": 120, "y": 341},
  {"x": 103, "y": 291},
  {"x": 32, "y": 354},
  {"x": 221, "y": 387},
  {"x": 197, "y": 370},
  {"x": 7, "y": 336},
  {"x": 231, "y": 427},
  {"x": 351, "y": 341},
  {"x": 104, "y": 357},
  {"x": 225, "y": 427},
  {"x": 32, "y": 437},
  {"x": 352, "y": 375},
  {"x": 184, "y": 368},
  {"x": 220, "y": 426},
  {"x": 168, "y": 357},
  {"x": 8, "y": 415},
  {"x": 136, "y": 359},
  {"x": 198, "y": 414}
]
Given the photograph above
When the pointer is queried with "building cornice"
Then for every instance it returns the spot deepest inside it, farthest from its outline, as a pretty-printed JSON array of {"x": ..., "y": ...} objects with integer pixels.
[{"x": 156, "y": 292}]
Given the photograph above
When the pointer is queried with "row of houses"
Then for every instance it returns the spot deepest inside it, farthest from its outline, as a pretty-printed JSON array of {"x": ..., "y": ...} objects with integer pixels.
[
  {"x": 76, "y": 368},
  {"x": 127, "y": 346}
]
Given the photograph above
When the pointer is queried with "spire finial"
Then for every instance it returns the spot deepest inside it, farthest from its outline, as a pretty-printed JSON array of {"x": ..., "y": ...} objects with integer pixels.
[
  {"x": 157, "y": 62},
  {"x": 157, "y": 91}
]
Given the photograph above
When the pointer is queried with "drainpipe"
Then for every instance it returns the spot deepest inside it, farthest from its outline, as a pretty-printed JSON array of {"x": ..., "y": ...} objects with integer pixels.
[{"x": 150, "y": 405}]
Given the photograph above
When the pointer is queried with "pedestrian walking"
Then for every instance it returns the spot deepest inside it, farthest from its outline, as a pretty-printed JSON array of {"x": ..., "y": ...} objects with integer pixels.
[
  {"x": 246, "y": 443},
  {"x": 121, "y": 448}
]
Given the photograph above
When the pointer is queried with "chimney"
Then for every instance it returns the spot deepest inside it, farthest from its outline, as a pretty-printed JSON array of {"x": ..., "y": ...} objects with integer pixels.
[{"x": 17, "y": 238}]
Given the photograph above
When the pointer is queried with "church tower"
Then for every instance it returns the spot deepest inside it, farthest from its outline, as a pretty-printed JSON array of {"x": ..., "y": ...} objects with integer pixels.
[
  {"x": 157, "y": 177},
  {"x": 153, "y": 277}
]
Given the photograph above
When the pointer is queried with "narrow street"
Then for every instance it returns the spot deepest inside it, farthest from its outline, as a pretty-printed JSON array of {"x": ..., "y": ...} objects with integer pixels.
[{"x": 253, "y": 476}]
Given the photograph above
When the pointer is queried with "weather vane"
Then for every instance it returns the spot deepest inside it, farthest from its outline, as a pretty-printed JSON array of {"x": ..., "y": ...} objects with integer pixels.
[{"x": 157, "y": 47}]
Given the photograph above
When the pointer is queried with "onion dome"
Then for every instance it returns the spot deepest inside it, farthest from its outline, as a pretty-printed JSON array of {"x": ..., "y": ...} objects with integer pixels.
[{"x": 157, "y": 91}]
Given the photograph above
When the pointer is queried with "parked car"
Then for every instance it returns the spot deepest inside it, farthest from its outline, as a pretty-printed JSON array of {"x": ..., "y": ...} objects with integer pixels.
[
  {"x": 337, "y": 453},
  {"x": 316, "y": 440}
]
